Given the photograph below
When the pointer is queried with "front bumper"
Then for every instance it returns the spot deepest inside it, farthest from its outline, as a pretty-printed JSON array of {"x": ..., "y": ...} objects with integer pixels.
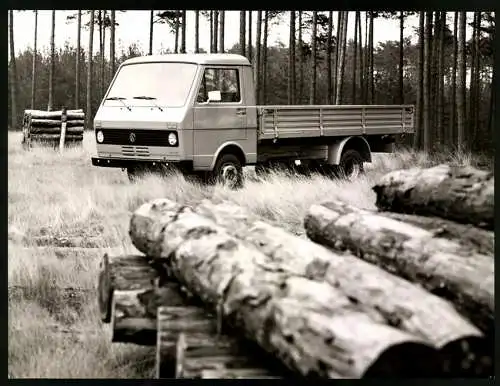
[{"x": 125, "y": 163}]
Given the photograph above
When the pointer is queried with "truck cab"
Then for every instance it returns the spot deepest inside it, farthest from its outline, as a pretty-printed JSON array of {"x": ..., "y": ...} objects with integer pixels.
[{"x": 188, "y": 110}]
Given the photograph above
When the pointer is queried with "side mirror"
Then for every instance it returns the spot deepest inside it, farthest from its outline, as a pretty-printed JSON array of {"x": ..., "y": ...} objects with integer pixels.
[{"x": 214, "y": 96}]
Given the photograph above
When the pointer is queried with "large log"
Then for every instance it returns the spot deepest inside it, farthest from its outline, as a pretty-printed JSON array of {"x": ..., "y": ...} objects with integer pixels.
[
  {"x": 71, "y": 114},
  {"x": 56, "y": 123},
  {"x": 312, "y": 326},
  {"x": 76, "y": 130},
  {"x": 462, "y": 194},
  {"x": 455, "y": 272},
  {"x": 55, "y": 137}
]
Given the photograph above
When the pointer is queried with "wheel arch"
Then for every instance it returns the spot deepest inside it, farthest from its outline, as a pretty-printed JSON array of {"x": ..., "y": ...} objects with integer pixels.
[
  {"x": 229, "y": 148},
  {"x": 357, "y": 143}
]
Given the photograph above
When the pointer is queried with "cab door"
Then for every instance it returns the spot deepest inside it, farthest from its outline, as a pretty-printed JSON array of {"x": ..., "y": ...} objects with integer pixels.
[{"x": 217, "y": 122}]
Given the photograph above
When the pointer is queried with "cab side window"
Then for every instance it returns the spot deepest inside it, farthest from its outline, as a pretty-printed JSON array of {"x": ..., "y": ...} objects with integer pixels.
[{"x": 227, "y": 81}]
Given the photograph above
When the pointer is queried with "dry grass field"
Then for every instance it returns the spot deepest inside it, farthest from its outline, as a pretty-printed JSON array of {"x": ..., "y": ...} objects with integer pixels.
[{"x": 57, "y": 199}]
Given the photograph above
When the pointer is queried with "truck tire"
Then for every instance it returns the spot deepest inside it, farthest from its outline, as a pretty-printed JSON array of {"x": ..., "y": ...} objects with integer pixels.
[
  {"x": 227, "y": 171},
  {"x": 351, "y": 164}
]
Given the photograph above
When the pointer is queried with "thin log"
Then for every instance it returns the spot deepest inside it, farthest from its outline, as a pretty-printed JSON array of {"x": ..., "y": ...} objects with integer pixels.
[
  {"x": 128, "y": 272},
  {"x": 134, "y": 313},
  {"x": 462, "y": 194},
  {"x": 443, "y": 267},
  {"x": 56, "y": 122},
  {"x": 64, "y": 119},
  {"x": 198, "y": 354},
  {"x": 311, "y": 326},
  {"x": 78, "y": 130},
  {"x": 480, "y": 240},
  {"x": 72, "y": 114},
  {"x": 55, "y": 137}
]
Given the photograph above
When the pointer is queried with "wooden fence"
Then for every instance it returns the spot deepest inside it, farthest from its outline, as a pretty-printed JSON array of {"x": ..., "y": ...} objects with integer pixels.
[{"x": 404, "y": 291}]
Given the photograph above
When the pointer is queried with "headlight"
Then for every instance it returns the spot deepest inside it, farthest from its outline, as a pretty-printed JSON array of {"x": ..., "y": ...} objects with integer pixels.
[
  {"x": 100, "y": 136},
  {"x": 172, "y": 139}
]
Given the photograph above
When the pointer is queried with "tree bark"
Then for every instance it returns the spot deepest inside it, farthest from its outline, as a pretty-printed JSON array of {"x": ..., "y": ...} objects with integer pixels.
[
  {"x": 291, "y": 60},
  {"x": 301, "y": 61},
  {"x": 312, "y": 95},
  {"x": 222, "y": 31},
  {"x": 339, "y": 56},
  {"x": 462, "y": 67},
  {"x": 355, "y": 59},
  {"x": 183, "y": 32},
  {"x": 40, "y": 114},
  {"x": 440, "y": 79},
  {"x": 56, "y": 122},
  {"x": 112, "y": 49},
  {"x": 453, "y": 101},
  {"x": 33, "y": 72},
  {"x": 197, "y": 31},
  {"x": 151, "y": 24},
  {"x": 176, "y": 32},
  {"x": 216, "y": 31},
  {"x": 258, "y": 58},
  {"x": 329, "y": 58},
  {"x": 70, "y": 131},
  {"x": 77, "y": 64},
  {"x": 370, "y": 54},
  {"x": 264, "y": 58},
  {"x": 52, "y": 62},
  {"x": 361, "y": 63},
  {"x": 344, "y": 51},
  {"x": 89, "y": 114},
  {"x": 13, "y": 81},
  {"x": 461, "y": 194},
  {"x": 417, "y": 138},
  {"x": 280, "y": 258},
  {"x": 249, "y": 49},
  {"x": 401, "y": 57},
  {"x": 478, "y": 132},
  {"x": 242, "y": 33},
  {"x": 427, "y": 82}
]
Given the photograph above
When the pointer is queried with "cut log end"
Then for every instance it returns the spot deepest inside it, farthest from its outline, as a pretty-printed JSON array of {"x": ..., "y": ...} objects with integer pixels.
[{"x": 408, "y": 360}]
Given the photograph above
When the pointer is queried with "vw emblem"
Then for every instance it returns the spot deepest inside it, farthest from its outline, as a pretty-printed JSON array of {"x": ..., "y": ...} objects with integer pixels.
[{"x": 132, "y": 137}]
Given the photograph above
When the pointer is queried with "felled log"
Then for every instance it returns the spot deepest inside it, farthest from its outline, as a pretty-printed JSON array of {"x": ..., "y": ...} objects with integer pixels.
[
  {"x": 469, "y": 236},
  {"x": 225, "y": 373},
  {"x": 78, "y": 130},
  {"x": 56, "y": 123},
  {"x": 196, "y": 355},
  {"x": 71, "y": 114},
  {"x": 309, "y": 324},
  {"x": 452, "y": 271},
  {"x": 55, "y": 137},
  {"x": 462, "y": 194}
]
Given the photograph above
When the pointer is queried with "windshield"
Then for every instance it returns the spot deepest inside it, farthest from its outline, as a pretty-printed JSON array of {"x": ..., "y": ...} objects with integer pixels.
[{"x": 168, "y": 84}]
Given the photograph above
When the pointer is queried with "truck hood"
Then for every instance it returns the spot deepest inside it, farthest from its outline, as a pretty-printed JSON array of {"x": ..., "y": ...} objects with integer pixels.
[{"x": 141, "y": 117}]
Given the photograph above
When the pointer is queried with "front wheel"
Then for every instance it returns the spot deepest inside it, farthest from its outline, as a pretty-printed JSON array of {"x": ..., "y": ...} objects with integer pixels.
[{"x": 228, "y": 171}]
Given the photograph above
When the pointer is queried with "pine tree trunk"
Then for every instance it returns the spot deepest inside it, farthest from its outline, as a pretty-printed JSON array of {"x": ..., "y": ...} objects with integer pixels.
[
  {"x": 366, "y": 62},
  {"x": 112, "y": 48},
  {"x": 216, "y": 31},
  {"x": 312, "y": 95},
  {"x": 440, "y": 79},
  {"x": 427, "y": 81},
  {"x": 242, "y": 33},
  {"x": 344, "y": 51},
  {"x": 13, "y": 83},
  {"x": 249, "y": 49},
  {"x": 264, "y": 58},
  {"x": 88, "y": 113},
  {"x": 401, "y": 56},
  {"x": 453, "y": 98},
  {"x": 222, "y": 32},
  {"x": 197, "y": 31},
  {"x": 33, "y": 72},
  {"x": 417, "y": 139},
  {"x": 183, "y": 36},
  {"x": 479, "y": 133},
  {"x": 461, "y": 92},
  {"x": 77, "y": 58},
  {"x": 151, "y": 16},
  {"x": 289, "y": 80},
  {"x": 355, "y": 59},
  {"x": 258, "y": 59},
  {"x": 329, "y": 58},
  {"x": 52, "y": 62},
  {"x": 176, "y": 31},
  {"x": 339, "y": 55},
  {"x": 434, "y": 133},
  {"x": 293, "y": 71},
  {"x": 361, "y": 62},
  {"x": 370, "y": 69},
  {"x": 211, "y": 19},
  {"x": 301, "y": 61},
  {"x": 103, "y": 54}
]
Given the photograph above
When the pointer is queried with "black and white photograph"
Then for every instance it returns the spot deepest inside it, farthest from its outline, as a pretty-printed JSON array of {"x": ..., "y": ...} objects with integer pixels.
[{"x": 231, "y": 194}]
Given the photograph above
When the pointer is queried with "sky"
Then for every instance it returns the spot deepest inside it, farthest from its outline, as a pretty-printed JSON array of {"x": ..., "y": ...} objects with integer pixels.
[{"x": 134, "y": 28}]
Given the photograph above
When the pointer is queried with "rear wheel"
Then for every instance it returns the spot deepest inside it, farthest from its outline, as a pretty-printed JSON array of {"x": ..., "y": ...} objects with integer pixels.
[
  {"x": 228, "y": 171},
  {"x": 351, "y": 164}
]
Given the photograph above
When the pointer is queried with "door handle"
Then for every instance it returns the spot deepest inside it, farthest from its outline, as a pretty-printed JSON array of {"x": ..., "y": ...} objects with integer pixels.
[{"x": 241, "y": 111}]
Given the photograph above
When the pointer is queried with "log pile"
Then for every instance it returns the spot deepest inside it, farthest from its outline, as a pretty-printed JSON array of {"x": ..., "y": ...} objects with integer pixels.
[
  {"x": 224, "y": 294},
  {"x": 47, "y": 127}
]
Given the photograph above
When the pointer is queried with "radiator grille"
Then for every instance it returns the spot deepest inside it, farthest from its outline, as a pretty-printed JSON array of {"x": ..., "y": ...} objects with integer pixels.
[
  {"x": 133, "y": 137},
  {"x": 135, "y": 151}
]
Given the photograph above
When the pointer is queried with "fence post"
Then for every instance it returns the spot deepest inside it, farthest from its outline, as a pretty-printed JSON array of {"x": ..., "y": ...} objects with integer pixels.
[{"x": 64, "y": 118}]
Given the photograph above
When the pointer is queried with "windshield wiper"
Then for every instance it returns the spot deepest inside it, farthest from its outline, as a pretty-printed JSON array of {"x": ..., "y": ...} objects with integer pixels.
[
  {"x": 121, "y": 99},
  {"x": 148, "y": 98}
]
